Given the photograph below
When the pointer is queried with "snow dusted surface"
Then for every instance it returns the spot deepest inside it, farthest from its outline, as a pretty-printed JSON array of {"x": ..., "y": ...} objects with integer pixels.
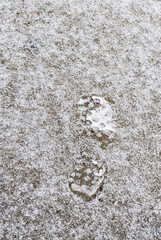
[{"x": 52, "y": 55}]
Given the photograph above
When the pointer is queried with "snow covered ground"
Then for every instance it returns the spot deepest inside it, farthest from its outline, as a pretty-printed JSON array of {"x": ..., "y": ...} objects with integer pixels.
[{"x": 67, "y": 171}]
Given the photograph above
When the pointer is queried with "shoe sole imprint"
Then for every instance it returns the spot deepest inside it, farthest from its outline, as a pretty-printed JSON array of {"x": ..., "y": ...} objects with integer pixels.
[
  {"x": 96, "y": 113},
  {"x": 87, "y": 179},
  {"x": 96, "y": 119}
]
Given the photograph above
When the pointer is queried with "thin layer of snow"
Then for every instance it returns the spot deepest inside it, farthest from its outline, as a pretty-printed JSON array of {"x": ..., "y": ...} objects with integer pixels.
[{"x": 52, "y": 54}]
